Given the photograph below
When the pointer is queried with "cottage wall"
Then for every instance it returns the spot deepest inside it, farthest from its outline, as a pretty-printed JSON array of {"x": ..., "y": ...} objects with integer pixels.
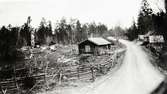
[
  {"x": 101, "y": 49},
  {"x": 82, "y": 49},
  {"x": 96, "y": 46},
  {"x": 94, "y": 49}
]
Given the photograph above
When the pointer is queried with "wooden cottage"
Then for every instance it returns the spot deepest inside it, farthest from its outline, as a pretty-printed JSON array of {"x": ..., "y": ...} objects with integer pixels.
[{"x": 96, "y": 46}]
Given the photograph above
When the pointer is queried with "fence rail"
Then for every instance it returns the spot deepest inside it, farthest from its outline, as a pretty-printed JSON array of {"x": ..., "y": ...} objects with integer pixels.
[{"x": 85, "y": 71}]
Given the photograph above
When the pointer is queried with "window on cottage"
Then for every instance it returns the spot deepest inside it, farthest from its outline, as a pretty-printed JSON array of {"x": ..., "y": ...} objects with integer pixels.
[{"x": 87, "y": 48}]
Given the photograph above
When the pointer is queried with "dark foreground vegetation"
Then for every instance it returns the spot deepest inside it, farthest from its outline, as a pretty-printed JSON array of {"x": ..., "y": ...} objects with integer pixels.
[{"x": 49, "y": 69}]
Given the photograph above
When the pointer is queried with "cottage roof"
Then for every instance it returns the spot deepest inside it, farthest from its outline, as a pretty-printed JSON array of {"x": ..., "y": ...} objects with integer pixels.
[{"x": 99, "y": 41}]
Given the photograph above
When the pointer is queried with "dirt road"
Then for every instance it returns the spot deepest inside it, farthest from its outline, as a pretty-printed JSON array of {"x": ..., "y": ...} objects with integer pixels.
[{"x": 135, "y": 76}]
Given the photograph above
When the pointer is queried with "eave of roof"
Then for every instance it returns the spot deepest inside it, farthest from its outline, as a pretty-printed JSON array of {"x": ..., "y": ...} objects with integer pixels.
[{"x": 99, "y": 41}]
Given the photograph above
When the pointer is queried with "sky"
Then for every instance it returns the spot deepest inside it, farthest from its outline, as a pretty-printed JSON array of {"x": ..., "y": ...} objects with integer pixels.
[{"x": 109, "y": 12}]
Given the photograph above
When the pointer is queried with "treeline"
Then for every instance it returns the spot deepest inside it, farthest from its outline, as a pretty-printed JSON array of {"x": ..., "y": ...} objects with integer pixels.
[
  {"x": 144, "y": 22},
  {"x": 148, "y": 21},
  {"x": 8, "y": 42},
  {"x": 74, "y": 32},
  {"x": 155, "y": 23},
  {"x": 160, "y": 22},
  {"x": 63, "y": 32},
  {"x": 71, "y": 32}
]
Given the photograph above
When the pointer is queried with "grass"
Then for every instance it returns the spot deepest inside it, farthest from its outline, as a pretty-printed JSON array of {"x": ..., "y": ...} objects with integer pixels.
[
  {"x": 66, "y": 58},
  {"x": 85, "y": 79}
]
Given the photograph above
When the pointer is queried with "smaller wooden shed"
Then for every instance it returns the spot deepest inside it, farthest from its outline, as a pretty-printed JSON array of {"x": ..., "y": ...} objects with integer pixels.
[{"x": 96, "y": 46}]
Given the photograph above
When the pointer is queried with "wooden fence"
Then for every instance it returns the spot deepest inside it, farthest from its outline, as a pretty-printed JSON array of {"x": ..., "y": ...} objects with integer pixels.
[{"x": 86, "y": 71}]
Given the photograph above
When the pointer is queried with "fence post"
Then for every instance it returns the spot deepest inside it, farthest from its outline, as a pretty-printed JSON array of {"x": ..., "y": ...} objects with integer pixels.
[
  {"x": 93, "y": 73},
  {"x": 78, "y": 73},
  {"x": 15, "y": 80},
  {"x": 46, "y": 75},
  {"x": 4, "y": 91},
  {"x": 60, "y": 77}
]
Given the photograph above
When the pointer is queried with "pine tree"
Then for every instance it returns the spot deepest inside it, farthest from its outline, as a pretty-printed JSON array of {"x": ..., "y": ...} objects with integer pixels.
[
  {"x": 44, "y": 32},
  {"x": 78, "y": 31},
  {"x": 145, "y": 23},
  {"x": 132, "y": 32}
]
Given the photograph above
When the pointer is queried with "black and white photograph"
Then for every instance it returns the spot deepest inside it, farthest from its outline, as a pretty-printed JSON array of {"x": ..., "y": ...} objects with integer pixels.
[{"x": 83, "y": 46}]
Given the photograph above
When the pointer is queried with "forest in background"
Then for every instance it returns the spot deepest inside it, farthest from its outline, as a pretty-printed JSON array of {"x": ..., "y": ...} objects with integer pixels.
[
  {"x": 73, "y": 32},
  {"x": 13, "y": 38}
]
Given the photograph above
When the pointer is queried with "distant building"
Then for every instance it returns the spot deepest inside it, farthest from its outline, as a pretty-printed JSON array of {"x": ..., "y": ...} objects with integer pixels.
[
  {"x": 143, "y": 38},
  {"x": 96, "y": 46},
  {"x": 156, "y": 39},
  {"x": 113, "y": 40},
  {"x": 152, "y": 39}
]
